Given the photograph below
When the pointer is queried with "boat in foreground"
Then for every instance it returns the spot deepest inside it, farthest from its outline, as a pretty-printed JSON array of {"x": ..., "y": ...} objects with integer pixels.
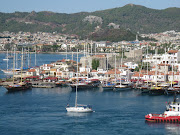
[
  {"x": 80, "y": 108},
  {"x": 171, "y": 115}
]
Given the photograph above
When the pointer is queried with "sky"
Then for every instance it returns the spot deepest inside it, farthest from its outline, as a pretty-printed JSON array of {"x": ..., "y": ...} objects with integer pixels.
[{"x": 74, "y": 6}]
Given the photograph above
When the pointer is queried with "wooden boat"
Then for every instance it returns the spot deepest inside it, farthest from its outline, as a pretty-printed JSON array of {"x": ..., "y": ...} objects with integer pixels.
[
  {"x": 94, "y": 83},
  {"x": 18, "y": 87}
]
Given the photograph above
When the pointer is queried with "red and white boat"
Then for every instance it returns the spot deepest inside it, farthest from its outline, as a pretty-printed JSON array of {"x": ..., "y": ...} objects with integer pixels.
[{"x": 171, "y": 115}]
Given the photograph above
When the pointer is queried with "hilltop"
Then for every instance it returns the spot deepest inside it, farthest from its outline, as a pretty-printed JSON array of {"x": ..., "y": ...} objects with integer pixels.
[{"x": 127, "y": 20}]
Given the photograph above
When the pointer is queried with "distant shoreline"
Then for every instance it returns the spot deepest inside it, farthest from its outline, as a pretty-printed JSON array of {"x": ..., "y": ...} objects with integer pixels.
[{"x": 47, "y": 52}]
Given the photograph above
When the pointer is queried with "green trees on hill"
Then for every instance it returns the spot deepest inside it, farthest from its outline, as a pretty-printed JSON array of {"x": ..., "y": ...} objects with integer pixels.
[{"x": 130, "y": 18}]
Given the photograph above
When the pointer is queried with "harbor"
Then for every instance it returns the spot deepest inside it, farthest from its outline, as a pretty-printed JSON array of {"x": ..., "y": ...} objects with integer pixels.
[{"x": 44, "y": 108}]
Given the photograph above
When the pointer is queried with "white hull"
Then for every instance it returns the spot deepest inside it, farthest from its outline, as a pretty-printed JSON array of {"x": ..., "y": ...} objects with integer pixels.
[
  {"x": 121, "y": 87},
  {"x": 79, "y": 109},
  {"x": 9, "y": 72},
  {"x": 5, "y": 59}
]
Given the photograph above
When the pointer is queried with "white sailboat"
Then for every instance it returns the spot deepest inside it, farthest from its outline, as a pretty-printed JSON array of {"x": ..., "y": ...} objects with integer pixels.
[{"x": 78, "y": 108}]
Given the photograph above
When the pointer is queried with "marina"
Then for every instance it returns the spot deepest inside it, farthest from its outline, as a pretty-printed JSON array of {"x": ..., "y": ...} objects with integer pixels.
[{"x": 44, "y": 109}]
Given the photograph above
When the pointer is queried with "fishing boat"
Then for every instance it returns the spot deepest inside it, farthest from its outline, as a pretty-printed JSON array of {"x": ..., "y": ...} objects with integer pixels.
[
  {"x": 171, "y": 114},
  {"x": 79, "y": 108}
]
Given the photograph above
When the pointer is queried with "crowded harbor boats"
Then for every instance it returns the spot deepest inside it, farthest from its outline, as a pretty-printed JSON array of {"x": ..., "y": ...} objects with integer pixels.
[{"x": 110, "y": 74}]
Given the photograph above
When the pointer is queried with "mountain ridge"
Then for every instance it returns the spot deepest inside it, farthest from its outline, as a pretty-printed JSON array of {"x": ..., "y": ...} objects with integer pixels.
[{"x": 131, "y": 17}]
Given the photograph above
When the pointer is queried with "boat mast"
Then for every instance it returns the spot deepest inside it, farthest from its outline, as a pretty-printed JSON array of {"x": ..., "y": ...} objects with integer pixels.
[
  {"x": 21, "y": 64},
  {"x": 156, "y": 67},
  {"x": 147, "y": 66},
  {"x": 172, "y": 73},
  {"x": 165, "y": 65},
  {"x": 28, "y": 57},
  {"x": 16, "y": 59},
  {"x": 107, "y": 70},
  {"x": 77, "y": 81},
  {"x": 115, "y": 68},
  {"x": 121, "y": 65},
  {"x": 35, "y": 56},
  {"x": 13, "y": 65},
  {"x": 7, "y": 59}
]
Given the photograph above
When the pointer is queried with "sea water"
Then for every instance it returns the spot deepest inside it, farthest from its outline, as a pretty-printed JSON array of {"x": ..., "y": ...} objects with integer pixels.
[{"x": 42, "y": 111}]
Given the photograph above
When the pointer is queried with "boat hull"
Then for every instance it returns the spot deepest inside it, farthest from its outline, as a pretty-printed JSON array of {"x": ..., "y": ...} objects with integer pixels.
[
  {"x": 108, "y": 88},
  {"x": 123, "y": 88},
  {"x": 79, "y": 109},
  {"x": 158, "y": 118},
  {"x": 18, "y": 88},
  {"x": 82, "y": 87}
]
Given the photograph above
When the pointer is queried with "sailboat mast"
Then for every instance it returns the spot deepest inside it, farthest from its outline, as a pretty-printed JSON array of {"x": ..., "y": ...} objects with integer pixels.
[
  {"x": 121, "y": 65},
  {"x": 21, "y": 64},
  {"x": 172, "y": 73},
  {"x": 7, "y": 59},
  {"x": 165, "y": 66},
  {"x": 107, "y": 70},
  {"x": 156, "y": 67},
  {"x": 13, "y": 65},
  {"x": 115, "y": 67},
  {"x": 35, "y": 56},
  {"x": 77, "y": 80},
  {"x": 28, "y": 57},
  {"x": 16, "y": 59},
  {"x": 147, "y": 66}
]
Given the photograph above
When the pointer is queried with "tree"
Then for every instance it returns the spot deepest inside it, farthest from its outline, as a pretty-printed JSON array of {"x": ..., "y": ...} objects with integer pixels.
[{"x": 95, "y": 64}]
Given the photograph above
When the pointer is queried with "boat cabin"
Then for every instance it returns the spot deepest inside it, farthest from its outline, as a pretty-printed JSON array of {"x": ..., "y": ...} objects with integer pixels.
[{"x": 173, "y": 106}]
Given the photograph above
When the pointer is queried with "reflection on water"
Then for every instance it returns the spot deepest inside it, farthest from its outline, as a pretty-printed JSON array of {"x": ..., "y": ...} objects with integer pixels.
[
  {"x": 74, "y": 114},
  {"x": 56, "y": 90},
  {"x": 171, "y": 128},
  {"x": 18, "y": 92}
]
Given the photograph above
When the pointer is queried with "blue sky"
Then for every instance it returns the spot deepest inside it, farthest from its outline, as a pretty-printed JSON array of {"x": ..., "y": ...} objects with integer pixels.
[{"x": 74, "y": 6}]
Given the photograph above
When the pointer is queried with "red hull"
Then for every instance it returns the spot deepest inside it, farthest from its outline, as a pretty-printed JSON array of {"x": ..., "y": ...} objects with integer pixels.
[{"x": 157, "y": 118}]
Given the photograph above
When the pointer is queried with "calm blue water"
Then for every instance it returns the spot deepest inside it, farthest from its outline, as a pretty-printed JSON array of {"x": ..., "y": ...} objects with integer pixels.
[{"x": 42, "y": 112}]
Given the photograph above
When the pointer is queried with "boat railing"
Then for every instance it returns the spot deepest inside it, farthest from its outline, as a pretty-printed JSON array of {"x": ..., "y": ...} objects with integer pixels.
[{"x": 156, "y": 114}]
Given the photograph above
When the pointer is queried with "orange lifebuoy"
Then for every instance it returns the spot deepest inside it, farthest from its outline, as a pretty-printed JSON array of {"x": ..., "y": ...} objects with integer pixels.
[{"x": 170, "y": 109}]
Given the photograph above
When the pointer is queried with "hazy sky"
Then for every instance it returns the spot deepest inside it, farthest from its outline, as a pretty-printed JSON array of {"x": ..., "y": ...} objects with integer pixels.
[{"x": 74, "y": 6}]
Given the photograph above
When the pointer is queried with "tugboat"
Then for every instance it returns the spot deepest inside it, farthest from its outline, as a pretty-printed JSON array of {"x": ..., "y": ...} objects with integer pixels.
[{"x": 171, "y": 115}]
